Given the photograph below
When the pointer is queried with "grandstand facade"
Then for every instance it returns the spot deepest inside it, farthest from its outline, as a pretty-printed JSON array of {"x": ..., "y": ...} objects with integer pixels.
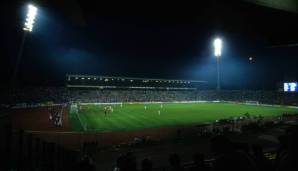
[{"x": 112, "y": 82}]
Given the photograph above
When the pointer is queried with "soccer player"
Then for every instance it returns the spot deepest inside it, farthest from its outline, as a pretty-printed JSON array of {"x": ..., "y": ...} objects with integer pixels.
[
  {"x": 158, "y": 112},
  {"x": 145, "y": 107},
  {"x": 59, "y": 122},
  {"x": 105, "y": 111},
  {"x": 247, "y": 115}
]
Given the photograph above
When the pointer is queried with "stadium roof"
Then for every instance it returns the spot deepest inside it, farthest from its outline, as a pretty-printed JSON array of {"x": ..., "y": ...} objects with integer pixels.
[
  {"x": 286, "y": 5},
  {"x": 93, "y": 81},
  {"x": 69, "y": 76}
]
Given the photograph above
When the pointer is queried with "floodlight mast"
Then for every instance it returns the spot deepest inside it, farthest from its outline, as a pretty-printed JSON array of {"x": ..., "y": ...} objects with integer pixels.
[
  {"x": 28, "y": 27},
  {"x": 30, "y": 19},
  {"x": 217, "y": 53}
]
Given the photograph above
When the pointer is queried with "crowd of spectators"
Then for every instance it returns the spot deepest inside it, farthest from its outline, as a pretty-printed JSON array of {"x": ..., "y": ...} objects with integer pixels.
[
  {"x": 37, "y": 95},
  {"x": 226, "y": 155}
]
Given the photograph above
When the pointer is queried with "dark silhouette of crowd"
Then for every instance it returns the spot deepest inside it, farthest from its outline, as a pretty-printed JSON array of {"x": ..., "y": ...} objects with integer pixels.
[
  {"x": 227, "y": 155},
  {"x": 30, "y": 152}
]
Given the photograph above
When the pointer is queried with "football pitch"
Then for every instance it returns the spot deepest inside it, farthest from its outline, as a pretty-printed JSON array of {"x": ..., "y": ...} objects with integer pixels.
[{"x": 92, "y": 117}]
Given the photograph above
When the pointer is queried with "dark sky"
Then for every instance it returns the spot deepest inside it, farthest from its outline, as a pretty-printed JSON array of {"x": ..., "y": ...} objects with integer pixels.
[{"x": 167, "y": 40}]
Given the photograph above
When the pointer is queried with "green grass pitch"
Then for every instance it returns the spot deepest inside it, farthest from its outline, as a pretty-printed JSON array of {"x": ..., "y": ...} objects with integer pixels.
[{"x": 135, "y": 116}]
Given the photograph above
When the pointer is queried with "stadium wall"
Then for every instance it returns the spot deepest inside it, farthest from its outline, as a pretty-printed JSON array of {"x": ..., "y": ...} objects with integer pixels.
[{"x": 75, "y": 140}]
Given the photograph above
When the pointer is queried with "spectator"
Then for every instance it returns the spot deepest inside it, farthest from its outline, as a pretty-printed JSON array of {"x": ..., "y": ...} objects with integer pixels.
[
  {"x": 126, "y": 162},
  {"x": 289, "y": 160},
  {"x": 86, "y": 164},
  {"x": 146, "y": 165},
  {"x": 199, "y": 163},
  {"x": 175, "y": 164},
  {"x": 261, "y": 162},
  {"x": 228, "y": 158}
]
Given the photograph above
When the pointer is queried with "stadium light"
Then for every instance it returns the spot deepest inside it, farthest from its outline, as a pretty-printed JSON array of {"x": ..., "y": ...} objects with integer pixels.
[
  {"x": 217, "y": 47},
  {"x": 28, "y": 27},
  {"x": 217, "y": 43},
  {"x": 30, "y": 19}
]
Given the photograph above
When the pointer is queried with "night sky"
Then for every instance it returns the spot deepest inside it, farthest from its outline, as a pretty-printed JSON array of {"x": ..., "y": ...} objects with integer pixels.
[{"x": 167, "y": 40}]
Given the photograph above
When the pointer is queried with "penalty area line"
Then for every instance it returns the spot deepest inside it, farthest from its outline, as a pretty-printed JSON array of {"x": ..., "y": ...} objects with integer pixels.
[{"x": 83, "y": 126}]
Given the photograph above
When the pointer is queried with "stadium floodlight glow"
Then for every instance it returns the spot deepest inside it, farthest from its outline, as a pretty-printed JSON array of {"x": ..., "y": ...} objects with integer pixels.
[
  {"x": 30, "y": 19},
  {"x": 217, "y": 43},
  {"x": 28, "y": 27},
  {"x": 217, "y": 47}
]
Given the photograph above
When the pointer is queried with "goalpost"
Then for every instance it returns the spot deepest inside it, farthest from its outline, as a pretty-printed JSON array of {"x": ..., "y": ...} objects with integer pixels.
[
  {"x": 252, "y": 102},
  {"x": 74, "y": 109}
]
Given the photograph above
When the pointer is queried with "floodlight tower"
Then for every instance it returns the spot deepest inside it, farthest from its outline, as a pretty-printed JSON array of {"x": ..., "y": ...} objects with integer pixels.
[
  {"x": 28, "y": 27},
  {"x": 30, "y": 19},
  {"x": 217, "y": 43}
]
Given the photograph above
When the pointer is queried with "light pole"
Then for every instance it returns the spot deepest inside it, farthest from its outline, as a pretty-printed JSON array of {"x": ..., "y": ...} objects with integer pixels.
[
  {"x": 28, "y": 27},
  {"x": 217, "y": 53}
]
